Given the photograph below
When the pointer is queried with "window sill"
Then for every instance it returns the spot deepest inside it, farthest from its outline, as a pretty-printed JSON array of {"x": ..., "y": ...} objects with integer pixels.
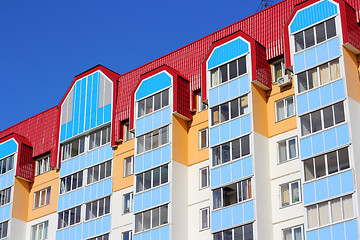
[
  {"x": 69, "y": 226},
  {"x": 291, "y": 205},
  {"x": 142, "y": 153},
  {"x": 315, "y": 45},
  {"x": 321, "y": 85},
  {"x": 40, "y": 207},
  {"x": 230, "y": 80},
  {"x": 95, "y": 218},
  {"x": 6, "y": 172},
  {"x": 322, "y": 130},
  {"x": 290, "y": 160},
  {"x": 150, "y": 189},
  {"x": 242, "y": 202},
  {"x": 227, "y": 121},
  {"x": 231, "y": 161},
  {"x": 147, "y": 230},
  {"x": 89, "y": 184},
  {"x": 149, "y": 114},
  {"x": 326, "y": 176},
  {"x": 330, "y": 198},
  {"x": 331, "y": 224},
  {"x": 278, "y": 121}
]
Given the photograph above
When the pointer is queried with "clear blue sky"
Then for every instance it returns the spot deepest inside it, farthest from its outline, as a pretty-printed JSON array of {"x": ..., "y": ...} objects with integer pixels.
[{"x": 44, "y": 44}]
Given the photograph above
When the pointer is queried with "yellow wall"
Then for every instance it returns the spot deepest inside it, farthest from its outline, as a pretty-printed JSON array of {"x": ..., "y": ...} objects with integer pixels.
[
  {"x": 351, "y": 73},
  {"x": 124, "y": 150},
  {"x": 180, "y": 140},
  {"x": 21, "y": 199},
  {"x": 43, "y": 181}
]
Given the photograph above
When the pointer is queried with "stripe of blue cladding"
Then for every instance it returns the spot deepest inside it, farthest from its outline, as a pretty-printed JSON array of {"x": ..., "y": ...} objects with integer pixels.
[
  {"x": 153, "y": 158},
  {"x": 324, "y": 95},
  {"x": 223, "y": 133},
  {"x": 7, "y": 151},
  {"x": 86, "y": 111}
]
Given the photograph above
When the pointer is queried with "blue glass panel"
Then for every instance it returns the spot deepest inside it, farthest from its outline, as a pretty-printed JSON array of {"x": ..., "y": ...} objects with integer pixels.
[
  {"x": 338, "y": 231},
  {"x": 318, "y": 143},
  {"x": 326, "y": 95},
  {"x": 321, "y": 189},
  {"x": 244, "y": 84},
  {"x": 72, "y": 233},
  {"x": 236, "y": 172},
  {"x": 322, "y": 53},
  {"x": 156, "y": 120},
  {"x": 100, "y": 116},
  {"x": 238, "y": 215},
  {"x": 334, "y": 48},
  {"x": 79, "y": 196},
  {"x": 165, "y": 116},
  {"x": 148, "y": 124},
  {"x": 347, "y": 182},
  {"x": 107, "y": 186},
  {"x": 305, "y": 147},
  {"x": 147, "y": 200},
  {"x": 215, "y": 221},
  {"x": 62, "y": 132},
  {"x": 138, "y": 200},
  {"x": 85, "y": 230},
  {"x": 247, "y": 166},
  {"x": 164, "y": 233},
  {"x": 226, "y": 217},
  {"x": 137, "y": 237},
  {"x": 155, "y": 197},
  {"x": 147, "y": 160},
  {"x": 338, "y": 90},
  {"x": 153, "y": 84},
  {"x": 245, "y": 124},
  {"x": 165, "y": 154},
  {"x": 69, "y": 127},
  {"x": 225, "y": 174},
  {"x": 342, "y": 134},
  {"x": 78, "y": 232},
  {"x": 139, "y": 161},
  {"x": 235, "y": 128},
  {"x": 59, "y": 235},
  {"x": 155, "y": 234},
  {"x": 214, "y": 136},
  {"x": 145, "y": 235},
  {"x": 87, "y": 194},
  {"x": 299, "y": 62},
  {"x": 309, "y": 193},
  {"x": 140, "y": 126},
  {"x": 156, "y": 157},
  {"x": 89, "y": 158},
  {"x": 330, "y": 139},
  {"x": 91, "y": 231},
  {"x": 334, "y": 186},
  {"x": 165, "y": 193},
  {"x": 213, "y": 96},
  {"x": 248, "y": 211},
  {"x": 302, "y": 103},
  {"x": 314, "y": 99},
  {"x": 107, "y": 113},
  {"x": 313, "y": 235},
  {"x": 310, "y": 57},
  {"x": 223, "y": 93},
  {"x": 227, "y": 52},
  {"x": 224, "y": 132},
  {"x": 66, "y": 201},
  {"x": 352, "y": 230},
  {"x": 215, "y": 177},
  {"x": 234, "y": 89},
  {"x": 325, "y": 233}
]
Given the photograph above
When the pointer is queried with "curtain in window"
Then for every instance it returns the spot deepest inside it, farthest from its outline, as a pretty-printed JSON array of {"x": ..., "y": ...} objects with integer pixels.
[
  {"x": 335, "y": 69},
  {"x": 312, "y": 216},
  {"x": 335, "y": 210},
  {"x": 285, "y": 195},
  {"x": 313, "y": 78},
  {"x": 295, "y": 192},
  {"x": 297, "y": 233},
  {"x": 204, "y": 218},
  {"x": 289, "y": 107},
  {"x": 280, "y": 111},
  {"x": 323, "y": 214},
  {"x": 292, "y": 148},
  {"x": 282, "y": 151},
  {"x": 214, "y": 77},
  {"x": 348, "y": 207},
  {"x": 324, "y": 74},
  {"x": 287, "y": 234}
]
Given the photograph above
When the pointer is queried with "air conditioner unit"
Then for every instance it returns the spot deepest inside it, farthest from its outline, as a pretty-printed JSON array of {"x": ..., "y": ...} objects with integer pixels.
[{"x": 283, "y": 80}]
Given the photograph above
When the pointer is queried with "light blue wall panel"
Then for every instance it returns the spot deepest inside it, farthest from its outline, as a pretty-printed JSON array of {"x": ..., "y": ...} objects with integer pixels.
[
  {"x": 302, "y": 103},
  {"x": 352, "y": 232},
  {"x": 313, "y": 14},
  {"x": 326, "y": 94},
  {"x": 7, "y": 179},
  {"x": 7, "y": 148},
  {"x": 235, "y": 128},
  {"x": 334, "y": 186},
  {"x": 245, "y": 124},
  {"x": 305, "y": 147},
  {"x": 338, "y": 90},
  {"x": 309, "y": 193},
  {"x": 322, "y": 53},
  {"x": 96, "y": 227},
  {"x": 227, "y": 52},
  {"x": 325, "y": 233},
  {"x": 152, "y": 159},
  {"x": 153, "y": 84},
  {"x": 73, "y": 165},
  {"x": 247, "y": 166},
  {"x": 313, "y": 235},
  {"x": 238, "y": 214},
  {"x": 215, "y": 177},
  {"x": 152, "y": 198},
  {"x": 330, "y": 139},
  {"x": 318, "y": 143},
  {"x": 70, "y": 199},
  {"x": 225, "y": 174},
  {"x": 161, "y": 233},
  {"x": 321, "y": 190},
  {"x": 347, "y": 182},
  {"x": 5, "y": 212},
  {"x": 342, "y": 133},
  {"x": 314, "y": 99},
  {"x": 216, "y": 220},
  {"x": 74, "y": 232},
  {"x": 99, "y": 155},
  {"x": 310, "y": 57},
  {"x": 299, "y": 62},
  {"x": 214, "y": 136},
  {"x": 226, "y": 215},
  {"x": 334, "y": 48},
  {"x": 98, "y": 190},
  {"x": 338, "y": 231},
  {"x": 229, "y": 90},
  {"x": 224, "y": 132}
]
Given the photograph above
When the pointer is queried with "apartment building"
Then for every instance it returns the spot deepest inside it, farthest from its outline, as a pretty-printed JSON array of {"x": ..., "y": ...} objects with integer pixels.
[{"x": 248, "y": 133}]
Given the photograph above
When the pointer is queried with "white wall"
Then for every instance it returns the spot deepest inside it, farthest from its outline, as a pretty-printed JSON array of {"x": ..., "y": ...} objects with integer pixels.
[{"x": 52, "y": 227}]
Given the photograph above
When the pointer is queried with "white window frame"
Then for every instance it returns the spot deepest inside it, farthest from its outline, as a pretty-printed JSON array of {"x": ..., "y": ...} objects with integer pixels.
[
  {"x": 162, "y": 105},
  {"x": 207, "y": 177},
  {"x": 40, "y": 194},
  {"x": 292, "y": 232},
  {"x": 152, "y": 178},
  {"x": 207, "y": 209},
  {"x": 45, "y": 227},
  {"x": 42, "y": 165},
  {"x": 71, "y": 179},
  {"x": 160, "y": 140},
  {"x": 2, "y": 228},
  {"x": 127, "y": 134},
  {"x": 287, "y": 149},
  {"x": 290, "y": 194},
  {"x": 91, "y": 218},
  {"x": 127, "y": 232},
  {"x": 151, "y": 222},
  {"x": 200, "y": 104},
  {"x": 282, "y": 64},
  {"x": 98, "y": 167},
  {"x": 284, "y": 100},
  {"x": 5, "y": 196},
  {"x": 206, "y": 130},
  {"x": 77, "y": 209},
  {"x": 131, "y": 208},
  {"x": 131, "y": 166},
  {"x": 100, "y": 237},
  {"x": 6, "y": 161}
]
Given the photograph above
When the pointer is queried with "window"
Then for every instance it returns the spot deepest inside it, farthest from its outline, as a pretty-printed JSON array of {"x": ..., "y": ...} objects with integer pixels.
[
  {"x": 5, "y": 196},
  {"x": 97, "y": 208},
  {"x": 326, "y": 164},
  {"x": 315, "y": 35},
  {"x": 73, "y": 148},
  {"x": 203, "y": 138},
  {"x": 6, "y": 164},
  {"x": 204, "y": 218},
  {"x": 201, "y": 106},
  {"x": 204, "y": 177},
  {"x": 228, "y": 71},
  {"x": 287, "y": 149},
  {"x": 71, "y": 182},
  {"x": 42, "y": 197},
  {"x": 322, "y": 119},
  {"x": 69, "y": 217},
  {"x": 4, "y": 229},
  {"x": 127, "y": 235},
  {"x": 278, "y": 70},
  {"x": 229, "y": 110},
  {"x": 99, "y": 172},
  {"x": 151, "y": 218},
  {"x": 39, "y": 231},
  {"x": 284, "y": 108},
  {"x": 239, "y": 233},
  {"x": 294, "y": 233},
  {"x": 230, "y": 151},
  {"x": 232, "y": 194},
  {"x": 153, "y": 103},
  {"x": 152, "y": 178},
  {"x": 318, "y": 76},
  {"x": 128, "y": 202},
  {"x": 128, "y": 166},
  {"x": 153, "y": 139},
  {"x": 42, "y": 165},
  {"x": 127, "y": 134},
  {"x": 102, "y": 237},
  {"x": 99, "y": 138},
  {"x": 332, "y": 211},
  {"x": 290, "y": 193}
]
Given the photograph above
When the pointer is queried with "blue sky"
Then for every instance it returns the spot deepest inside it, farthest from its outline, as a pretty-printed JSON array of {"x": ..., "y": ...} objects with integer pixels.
[{"x": 44, "y": 44}]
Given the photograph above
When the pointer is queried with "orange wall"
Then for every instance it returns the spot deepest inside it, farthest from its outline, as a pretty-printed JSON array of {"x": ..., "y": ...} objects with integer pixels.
[
  {"x": 124, "y": 150},
  {"x": 179, "y": 140},
  {"x": 21, "y": 199},
  {"x": 351, "y": 73},
  {"x": 43, "y": 181}
]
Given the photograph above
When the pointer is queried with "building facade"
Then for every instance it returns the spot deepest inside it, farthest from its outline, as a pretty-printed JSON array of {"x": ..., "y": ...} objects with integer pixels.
[{"x": 248, "y": 133}]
